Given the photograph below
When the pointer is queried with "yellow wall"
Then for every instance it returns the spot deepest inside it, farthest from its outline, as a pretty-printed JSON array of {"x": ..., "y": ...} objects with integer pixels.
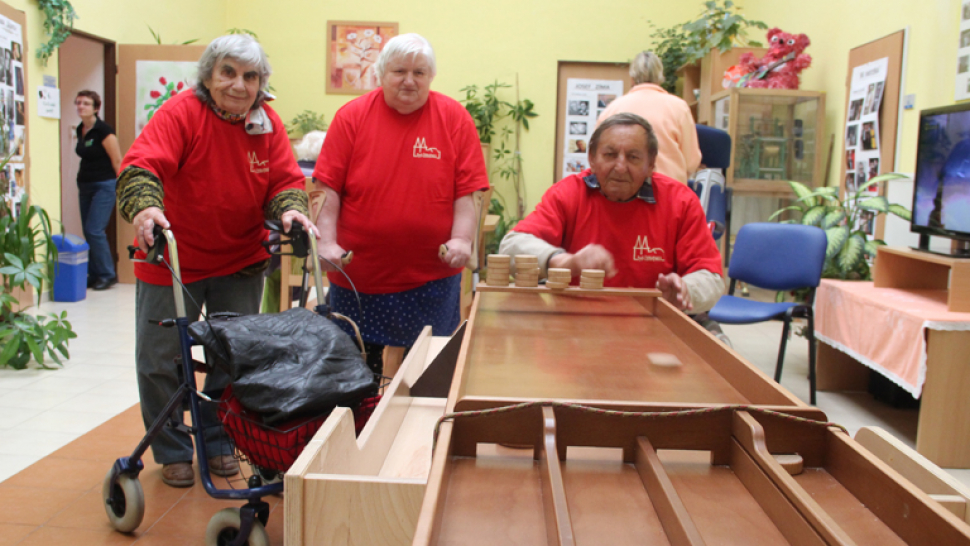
[
  {"x": 122, "y": 22},
  {"x": 836, "y": 26},
  {"x": 475, "y": 43},
  {"x": 478, "y": 42}
]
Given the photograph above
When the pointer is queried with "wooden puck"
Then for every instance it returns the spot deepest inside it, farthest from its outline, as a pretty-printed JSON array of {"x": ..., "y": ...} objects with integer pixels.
[
  {"x": 791, "y": 462},
  {"x": 591, "y": 285},
  {"x": 499, "y": 258},
  {"x": 496, "y": 282},
  {"x": 553, "y": 285},
  {"x": 526, "y": 259},
  {"x": 556, "y": 271},
  {"x": 442, "y": 250},
  {"x": 593, "y": 273},
  {"x": 664, "y": 360}
]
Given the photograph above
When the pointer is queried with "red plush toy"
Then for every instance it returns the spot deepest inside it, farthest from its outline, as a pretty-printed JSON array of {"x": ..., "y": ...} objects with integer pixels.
[{"x": 779, "y": 68}]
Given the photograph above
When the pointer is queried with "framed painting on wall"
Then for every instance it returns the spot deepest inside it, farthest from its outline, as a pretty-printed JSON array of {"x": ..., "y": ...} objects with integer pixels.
[{"x": 352, "y": 50}]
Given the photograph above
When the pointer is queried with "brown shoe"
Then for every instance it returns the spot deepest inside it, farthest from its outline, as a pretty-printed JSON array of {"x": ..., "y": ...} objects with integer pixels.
[
  {"x": 178, "y": 474},
  {"x": 223, "y": 465}
]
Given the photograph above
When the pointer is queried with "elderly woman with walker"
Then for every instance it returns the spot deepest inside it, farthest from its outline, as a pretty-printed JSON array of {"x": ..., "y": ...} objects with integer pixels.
[{"x": 212, "y": 164}]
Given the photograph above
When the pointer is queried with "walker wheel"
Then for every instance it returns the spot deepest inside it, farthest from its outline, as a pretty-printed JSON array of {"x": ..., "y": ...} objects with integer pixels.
[
  {"x": 223, "y": 528},
  {"x": 124, "y": 501}
]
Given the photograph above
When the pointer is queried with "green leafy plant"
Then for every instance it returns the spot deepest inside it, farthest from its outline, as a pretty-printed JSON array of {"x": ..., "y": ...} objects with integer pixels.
[
  {"x": 848, "y": 245},
  {"x": 158, "y": 38},
  {"x": 27, "y": 253},
  {"x": 500, "y": 123},
  {"x": 59, "y": 16},
  {"x": 304, "y": 122},
  {"x": 720, "y": 26},
  {"x": 243, "y": 31}
]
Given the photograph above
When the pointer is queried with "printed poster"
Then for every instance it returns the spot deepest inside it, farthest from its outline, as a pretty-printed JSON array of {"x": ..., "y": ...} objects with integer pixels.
[
  {"x": 13, "y": 177},
  {"x": 585, "y": 101},
  {"x": 963, "y": 54},
  {"x": 862, "y": 146}
]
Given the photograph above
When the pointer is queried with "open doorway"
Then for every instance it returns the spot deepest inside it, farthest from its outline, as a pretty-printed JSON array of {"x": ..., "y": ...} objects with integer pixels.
[{"x": 86, "y": 62}]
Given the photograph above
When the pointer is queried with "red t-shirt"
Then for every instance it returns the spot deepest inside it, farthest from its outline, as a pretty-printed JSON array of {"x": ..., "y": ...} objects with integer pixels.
[
  {"x": 646, "y": 240},
  {"x": 217, "y": 180},
  {"x": 398, "y": 177}
]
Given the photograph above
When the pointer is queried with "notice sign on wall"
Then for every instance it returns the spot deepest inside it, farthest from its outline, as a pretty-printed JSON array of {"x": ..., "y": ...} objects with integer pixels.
[
  {"x": 49, "y": 102},
  {"x": 585, "y": 101}
]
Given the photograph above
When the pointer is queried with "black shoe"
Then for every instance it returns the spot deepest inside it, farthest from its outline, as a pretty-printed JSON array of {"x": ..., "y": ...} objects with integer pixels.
[
  {"x": 91, "y": 282},
  {"x": 104, "y": 284}
]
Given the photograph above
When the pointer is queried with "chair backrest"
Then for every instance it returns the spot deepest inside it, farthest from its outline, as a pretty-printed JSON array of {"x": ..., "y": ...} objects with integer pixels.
[
  {"x": 778, "y": 256},
  {"x": 715, "y": 145},
  {"x": 704, "y": 180},
  {"x": 718, "y": 207}
]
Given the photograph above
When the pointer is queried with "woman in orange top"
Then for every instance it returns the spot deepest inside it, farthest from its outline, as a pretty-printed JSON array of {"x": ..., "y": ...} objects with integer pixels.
[{"x": 670, "y": 117}]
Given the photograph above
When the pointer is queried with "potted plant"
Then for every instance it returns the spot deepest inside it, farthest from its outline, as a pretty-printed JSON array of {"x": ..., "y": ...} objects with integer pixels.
[
  {"x": 27, "y": 254},
  {"x": 719, "y": 26},
  {"x": 849, "y": 245},
  {"x": 500, "y": 123}
]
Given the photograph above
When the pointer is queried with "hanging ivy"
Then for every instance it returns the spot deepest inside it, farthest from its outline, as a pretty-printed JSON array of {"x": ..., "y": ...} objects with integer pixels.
[{"x": 59, "y": 22}]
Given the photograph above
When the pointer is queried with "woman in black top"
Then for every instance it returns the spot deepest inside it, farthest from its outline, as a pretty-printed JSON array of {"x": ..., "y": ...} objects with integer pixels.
[{"x": 100, "y": 159}]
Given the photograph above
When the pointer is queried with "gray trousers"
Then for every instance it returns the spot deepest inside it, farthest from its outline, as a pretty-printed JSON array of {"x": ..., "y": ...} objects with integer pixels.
[{"x": 156, "y": 348}]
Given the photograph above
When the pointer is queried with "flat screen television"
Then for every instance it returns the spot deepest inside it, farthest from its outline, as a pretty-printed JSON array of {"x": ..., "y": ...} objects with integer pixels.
[{"x": 941, "y": 197}]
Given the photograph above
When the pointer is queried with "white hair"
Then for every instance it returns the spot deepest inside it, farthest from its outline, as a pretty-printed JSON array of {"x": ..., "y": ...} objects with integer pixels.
[
  {"x": 241, "y": 48},
  {"x": 405, "y": 45}
]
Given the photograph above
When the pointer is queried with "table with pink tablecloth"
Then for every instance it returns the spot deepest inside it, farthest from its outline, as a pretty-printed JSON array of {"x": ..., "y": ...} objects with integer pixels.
[{"x": 884, "y": 328}]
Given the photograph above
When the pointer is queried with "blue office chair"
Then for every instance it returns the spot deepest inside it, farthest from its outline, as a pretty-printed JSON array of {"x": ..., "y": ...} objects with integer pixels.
[{"x": 780, "y": 257}]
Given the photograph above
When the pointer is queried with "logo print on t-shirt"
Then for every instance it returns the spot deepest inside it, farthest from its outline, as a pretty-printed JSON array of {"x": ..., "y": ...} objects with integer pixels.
[
  {"x": 643, "y": 253},
  {"x": 257, "y": 166},
  {"x": 421, "y": 149}
]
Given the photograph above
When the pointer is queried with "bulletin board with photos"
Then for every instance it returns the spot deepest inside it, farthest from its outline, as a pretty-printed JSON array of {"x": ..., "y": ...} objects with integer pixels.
[
  {"x": 585, "y": 90},
  {"x": 871, "y": 118},
  {"x": 13, "y": 106}
]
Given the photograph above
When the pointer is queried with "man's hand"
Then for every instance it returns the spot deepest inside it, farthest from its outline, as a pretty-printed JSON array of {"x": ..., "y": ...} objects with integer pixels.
[
  {"x": 589, "y": 257},
  {"x": 674, "y": 289},
  {"x": 459, "y": 251},
  {"x": 145, "y": 222},
  {"x": 291, "y": 216}
]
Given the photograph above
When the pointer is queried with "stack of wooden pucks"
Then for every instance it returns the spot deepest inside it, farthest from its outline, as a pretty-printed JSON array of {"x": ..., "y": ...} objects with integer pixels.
[
  {"x": 592, "y": 279},
  {"x": 526, "y": 271},
  {"x": 498, "y": 270},
  {"x": 558, "y": 278}
]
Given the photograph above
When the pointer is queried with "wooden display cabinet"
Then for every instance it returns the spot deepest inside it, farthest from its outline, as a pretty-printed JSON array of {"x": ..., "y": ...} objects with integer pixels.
[
  {"x": 776, "y": 136},
  {"x": 705, "y": 76}
]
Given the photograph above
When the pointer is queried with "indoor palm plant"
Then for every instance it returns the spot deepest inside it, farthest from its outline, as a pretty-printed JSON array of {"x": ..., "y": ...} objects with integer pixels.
[
  {"x": 499, "y": 124},
  {"x": 27, "y": 254},
  {"x": 849, "y": 245}
]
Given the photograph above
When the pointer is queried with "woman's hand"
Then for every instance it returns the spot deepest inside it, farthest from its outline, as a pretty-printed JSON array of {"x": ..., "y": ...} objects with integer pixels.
[
  {"x": 674, "y": 289},
  {"x": 332, "y": 252},
  {"x": 291, "y": 216},
  {"x": 459, "y": 251},
  {"x": 145, "y": 222}
]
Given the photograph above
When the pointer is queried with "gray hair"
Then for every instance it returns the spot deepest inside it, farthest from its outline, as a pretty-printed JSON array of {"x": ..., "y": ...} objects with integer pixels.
[
  {"x": 647, "y": 67},
  {"x": 241, "y": 48},
  {"x": 625, "y": 118},
  {"x": 405, "y": 45}
]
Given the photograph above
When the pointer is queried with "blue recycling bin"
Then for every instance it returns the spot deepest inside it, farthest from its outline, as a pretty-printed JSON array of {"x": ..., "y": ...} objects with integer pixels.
[{"x": 71, "y": 270}]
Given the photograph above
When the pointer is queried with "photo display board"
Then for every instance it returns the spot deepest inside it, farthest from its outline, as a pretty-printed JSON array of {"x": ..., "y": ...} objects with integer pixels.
[{"x": 13, "y": 112}]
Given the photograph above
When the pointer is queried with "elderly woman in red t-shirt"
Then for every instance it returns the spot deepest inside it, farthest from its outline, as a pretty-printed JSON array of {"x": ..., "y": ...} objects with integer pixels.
[
  {"x": 211, "y": 164},
  {"x": 399, "y": 167},
  {"x": 643, "y": 228}
]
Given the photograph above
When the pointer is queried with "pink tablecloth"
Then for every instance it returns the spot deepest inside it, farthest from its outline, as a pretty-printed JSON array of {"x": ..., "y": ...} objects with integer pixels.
[{"x": 884, "y": 328}]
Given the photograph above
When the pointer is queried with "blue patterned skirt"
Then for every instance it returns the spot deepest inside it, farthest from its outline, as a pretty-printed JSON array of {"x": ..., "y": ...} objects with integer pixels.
[{"x": 396, "y": 319}]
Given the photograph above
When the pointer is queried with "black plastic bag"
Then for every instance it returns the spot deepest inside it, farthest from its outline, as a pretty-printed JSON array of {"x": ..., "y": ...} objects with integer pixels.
[{"x": 285, "y": 365}]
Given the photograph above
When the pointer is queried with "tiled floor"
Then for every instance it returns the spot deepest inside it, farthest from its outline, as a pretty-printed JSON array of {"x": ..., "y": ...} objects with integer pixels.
[{"x": 61, "y": 429}]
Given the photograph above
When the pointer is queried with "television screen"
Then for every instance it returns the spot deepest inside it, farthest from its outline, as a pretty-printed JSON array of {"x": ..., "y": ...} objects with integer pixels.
[{"x": 941, "y": 200}]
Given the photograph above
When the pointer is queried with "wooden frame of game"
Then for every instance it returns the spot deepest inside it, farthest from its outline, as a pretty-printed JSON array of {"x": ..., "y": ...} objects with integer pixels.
[{"x": 581, "y": 462}]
